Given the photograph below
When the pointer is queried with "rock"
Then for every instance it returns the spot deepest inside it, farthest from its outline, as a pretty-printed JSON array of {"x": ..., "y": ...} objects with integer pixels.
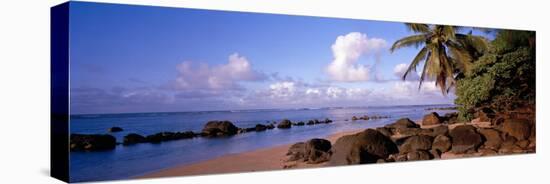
[
  {"x": 327, "y": 121},
  {"x": 435, "y": 131},
  {"x": 317, "y": 151},
  {"x": 385, "y": 131},
  {"x": 419, "y": 155},
  {"x": 435, "y": 153},
  {"x": 260, "y": 127},
  {"x": 487, "y": 152},
  {"x": 270, "y": 126},
  {"x": 431, "y": 119},
  {"x": 441, "y": 143},
  {"x": 296, "y": 151},
  {"x": 485, "y": 114},
  {"x": 510, "y": 149},
  {"x": 301, "y": 123},
  {"x": 219, "y": 128},
  {"x": 450, "y": 118},
  {"x": 523, "y": 144},
  {"x": 492, "y": 138},
  {"x": 403, "y": 124},
  {"x": 354, "y": 118},
  {"x": 115, "y": 129},
  {"x": 417, "y": 142},
  {"x": 133, "y": 139},
  {"x": 316, "y": 121},
  {"x": 313, "y": 151},
  {"x": 285, "y": 124},
  {"x": 310, "y": 122},
  {"x": 509, "y": 140},
  {"x": 92, "y": 142},
  {"x": 364, "y": 147},
  {"x": 464, "y": 138},
  {"x": 380, "y": 161},
  {"x": 169, "y": 136},
  {"x": 398, "y": 157},
  {"x": 518, "y": 128}
]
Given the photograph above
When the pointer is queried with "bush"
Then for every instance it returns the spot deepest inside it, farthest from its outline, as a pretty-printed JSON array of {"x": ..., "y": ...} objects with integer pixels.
[{"x": 502, "y": 79}]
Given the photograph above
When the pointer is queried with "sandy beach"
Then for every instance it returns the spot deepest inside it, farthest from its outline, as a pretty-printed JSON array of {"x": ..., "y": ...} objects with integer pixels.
[{"x": 258, "y": 160}]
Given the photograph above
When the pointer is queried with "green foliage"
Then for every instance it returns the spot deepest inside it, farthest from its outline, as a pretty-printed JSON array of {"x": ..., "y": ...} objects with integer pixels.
[{"x": 502, "y": 79}]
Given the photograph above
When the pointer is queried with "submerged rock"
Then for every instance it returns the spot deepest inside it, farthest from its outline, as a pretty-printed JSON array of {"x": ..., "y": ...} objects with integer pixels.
[
  {"x": 115, "y": 129},
  {"x": 92, "y": 142},
  {"x": 219, "y": 128},
  {"x": 285, "y": 124},
  {"x": 260, "y": 127},
  {"x": 133, "y": 139}
]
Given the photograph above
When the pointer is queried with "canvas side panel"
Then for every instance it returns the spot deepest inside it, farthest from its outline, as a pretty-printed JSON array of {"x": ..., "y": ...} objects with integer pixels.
[{"x": 59, "y": 91}]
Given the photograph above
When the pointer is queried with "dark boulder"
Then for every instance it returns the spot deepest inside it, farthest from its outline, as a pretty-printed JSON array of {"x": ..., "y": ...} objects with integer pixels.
[
  {"x": 133, "y": 139},
  {"x": 270, "y": 126},
  {"x": 485, "y": 114},
  {"x": 364, "y": 147},
  {"x": 492, "y": 137},
  {"x": 285, "y": 124},
  {"x": 450, "y": 118},
  {"x": 296, "y": 151},
  {"x": 260, "y": 127},
  {"x": 312, "y": 151},
  {"x": 417, "y": 142},
  {"x": 310, "y": 122},
  {"x": 431, "y": 119},
  {"x": 354, "y": 118},
  {"x": 518, "y": 128},
  {"x": 317, "y": 151},
  {"x": 328, "y": 120},
  {"x": 465, "y": 138},
  {"x": 301, "y": 123},
  {"x": 402, "y": 124},
  {"x": 219, "y": 128},
  {"x": 169, "y": 136},
  {"x": 384, "y": 130},
  {"x": 92, "y": 142},
  {"x": 115, "y": 129},
  {"x": 419, "y": 155},
  {"x": 441, "y": 143}
]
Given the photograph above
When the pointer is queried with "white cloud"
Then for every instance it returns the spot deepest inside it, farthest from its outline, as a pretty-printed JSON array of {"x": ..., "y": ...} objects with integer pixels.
[
  {"x": 219, "y": 77},
  {"x": 400, "y": 69},
  {"x": 347, "y": 50},
  {"x": 282, "y": 89}
]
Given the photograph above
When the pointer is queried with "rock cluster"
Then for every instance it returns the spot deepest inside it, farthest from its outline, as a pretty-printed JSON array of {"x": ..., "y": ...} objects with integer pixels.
[{"x": 404, "y": 140}]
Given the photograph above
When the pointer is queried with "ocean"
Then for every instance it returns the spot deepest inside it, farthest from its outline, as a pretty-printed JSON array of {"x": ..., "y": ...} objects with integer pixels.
[{"x": 130, "y": 161}]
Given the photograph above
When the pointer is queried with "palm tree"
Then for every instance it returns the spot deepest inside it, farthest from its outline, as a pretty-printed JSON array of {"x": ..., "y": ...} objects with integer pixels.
[{"x": 445, "y": 52}]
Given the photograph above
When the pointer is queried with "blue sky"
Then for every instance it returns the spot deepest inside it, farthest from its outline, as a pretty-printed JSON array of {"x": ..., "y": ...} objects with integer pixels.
[{"x": 150, "y": 59}]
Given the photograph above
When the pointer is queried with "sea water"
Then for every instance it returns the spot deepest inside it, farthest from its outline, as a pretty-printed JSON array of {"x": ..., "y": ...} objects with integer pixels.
[{"x": 130, "y": 161}]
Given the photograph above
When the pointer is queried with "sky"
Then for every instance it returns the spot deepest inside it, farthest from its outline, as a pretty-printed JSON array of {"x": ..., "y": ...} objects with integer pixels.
[{"x": 127, "y": 59}]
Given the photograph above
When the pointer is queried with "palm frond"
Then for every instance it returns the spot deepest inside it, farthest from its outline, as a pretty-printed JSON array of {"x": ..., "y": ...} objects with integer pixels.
[
  {"x": 414, "y": 40},
  {"x": 418, "y": 28},
  {"x": 419, "y": 57}
]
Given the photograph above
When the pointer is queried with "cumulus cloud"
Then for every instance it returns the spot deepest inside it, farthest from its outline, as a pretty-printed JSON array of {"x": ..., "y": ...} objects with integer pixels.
[
  {"x": 346, "y": 50},
  {"x": 400, "y": 69},
  {"x": 220, "y": 77}
]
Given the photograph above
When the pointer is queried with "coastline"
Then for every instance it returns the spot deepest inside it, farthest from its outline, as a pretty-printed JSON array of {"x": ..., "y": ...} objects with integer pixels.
[{"x": 265, "y": 159}]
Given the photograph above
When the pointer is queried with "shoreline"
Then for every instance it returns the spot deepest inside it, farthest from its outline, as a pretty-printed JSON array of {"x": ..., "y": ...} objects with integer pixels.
[{"x": 264, "y": 159}]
